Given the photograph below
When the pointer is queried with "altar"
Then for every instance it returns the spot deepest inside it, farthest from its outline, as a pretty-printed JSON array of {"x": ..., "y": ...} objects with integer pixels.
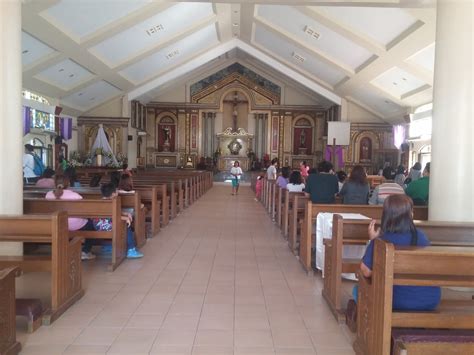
[{"x": 234, "y": 145}]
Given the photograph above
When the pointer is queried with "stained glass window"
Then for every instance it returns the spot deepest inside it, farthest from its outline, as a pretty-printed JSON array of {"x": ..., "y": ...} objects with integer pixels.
[{"x": 42, "y": 120}]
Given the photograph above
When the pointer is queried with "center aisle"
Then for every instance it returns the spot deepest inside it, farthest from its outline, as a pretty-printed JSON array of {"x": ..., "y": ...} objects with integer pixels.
[{"x": 219, "y": 279}]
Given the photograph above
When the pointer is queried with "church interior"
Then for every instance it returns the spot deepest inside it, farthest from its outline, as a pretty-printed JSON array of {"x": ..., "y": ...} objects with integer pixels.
[{"x": 179, "y": 91}]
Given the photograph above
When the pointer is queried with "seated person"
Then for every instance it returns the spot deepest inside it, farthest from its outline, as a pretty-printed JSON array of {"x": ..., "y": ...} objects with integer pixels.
[
  {"x": 296, "y": 182},
  {"x": 419, "y": 190},
  {"x": 322, "y": 187},
  {"x": 70, "y": 172},
  {"x": 341, "y": 177},
  {"x": 109, "y": 191},
  {"x": 382, "y": 191},
  {"x": 355, "y": 190},
  {"x": 46, "y": 180},
  {"x": 62, "y": 192},
  {"x": 397, "y": 227},
  {"x": 125, "y": 183},
  {"x": 282, "y": 180}
]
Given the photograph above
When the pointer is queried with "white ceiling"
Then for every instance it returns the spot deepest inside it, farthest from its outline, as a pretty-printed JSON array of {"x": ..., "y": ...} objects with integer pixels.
[{"x": 86, "y": 52}]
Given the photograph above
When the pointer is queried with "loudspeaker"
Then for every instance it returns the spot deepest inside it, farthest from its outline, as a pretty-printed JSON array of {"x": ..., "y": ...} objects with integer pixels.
[{"x": 130, "y": 137}]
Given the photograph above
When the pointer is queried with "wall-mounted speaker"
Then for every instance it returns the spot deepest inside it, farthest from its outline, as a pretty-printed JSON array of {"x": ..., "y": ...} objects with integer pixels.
[{"x": 130, "y": 137}]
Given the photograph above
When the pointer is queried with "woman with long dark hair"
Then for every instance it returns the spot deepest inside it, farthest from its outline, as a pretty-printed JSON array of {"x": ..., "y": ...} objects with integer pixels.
[
  {"x": 296, "y": 182},
  {"x": 397, "y": 227},
  {"x": 355, "y": 190}
]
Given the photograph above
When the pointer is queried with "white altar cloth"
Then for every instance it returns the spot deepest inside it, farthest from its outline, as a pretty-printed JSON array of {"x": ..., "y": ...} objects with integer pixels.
[{"x": 324, "y": 231}]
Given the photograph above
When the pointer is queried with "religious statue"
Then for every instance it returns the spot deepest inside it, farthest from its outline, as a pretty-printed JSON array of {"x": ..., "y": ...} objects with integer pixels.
[
  {"x": 167, "y": 134},
  {"x": 303, "y": 139},
  {"x": 365, "y": 150},
  {"x": 234, "y": 147}
]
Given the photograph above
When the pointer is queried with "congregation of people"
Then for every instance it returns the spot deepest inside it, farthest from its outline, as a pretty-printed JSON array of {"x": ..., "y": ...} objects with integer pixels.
[{"x": 324, "y": 185}]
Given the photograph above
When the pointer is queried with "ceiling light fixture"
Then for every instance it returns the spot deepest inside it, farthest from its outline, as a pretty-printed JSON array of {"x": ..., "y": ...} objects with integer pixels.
[
  {"x": 298, "y": 57},
  {"x": 71, "y": 75},
  {"x": 61, "y": 70},
  {"x": 235, "y": 24},
  {"x": 154, "y": 30},
  {"x": 312, "y": 32},
  {"x": 172, "y": 54},
  {"x": 25, "y": 51},
  {"x": 394, "y": 83}
]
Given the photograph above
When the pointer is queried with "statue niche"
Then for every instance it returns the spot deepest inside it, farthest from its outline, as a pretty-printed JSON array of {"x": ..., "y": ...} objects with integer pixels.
[
  {"x": 302, "y": 137},
  {"x": 166, "y": 134},
  {"x": 234, "y": 147}
]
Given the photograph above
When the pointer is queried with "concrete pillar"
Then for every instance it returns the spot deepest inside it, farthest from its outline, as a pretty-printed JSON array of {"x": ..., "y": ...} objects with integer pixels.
[
  {"x": 11, "y": 130},
  {"x": 451, "y": 188}
]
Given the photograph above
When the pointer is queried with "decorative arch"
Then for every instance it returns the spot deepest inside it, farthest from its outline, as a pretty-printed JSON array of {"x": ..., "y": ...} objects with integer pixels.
[
  {"x": 365, "y": 145},
  {"x": 166, "y": 129},
  {"x": 239, "y": 88},
  {"x": 303, "y": 132}
]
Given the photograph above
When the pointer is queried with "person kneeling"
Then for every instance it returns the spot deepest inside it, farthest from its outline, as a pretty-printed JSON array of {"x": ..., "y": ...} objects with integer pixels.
[{"x": 109, "y": 191}]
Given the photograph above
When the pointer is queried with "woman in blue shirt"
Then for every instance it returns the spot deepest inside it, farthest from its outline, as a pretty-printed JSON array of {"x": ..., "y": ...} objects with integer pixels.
[{"x": 397, "y": 227}]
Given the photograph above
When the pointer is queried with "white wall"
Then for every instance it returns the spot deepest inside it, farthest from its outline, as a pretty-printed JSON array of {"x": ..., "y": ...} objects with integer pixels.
[
  {"x": 112, "y": 108},
  {"x": 356, "y": 113},
  {"x": 292, "y": 96},
  {"x": 174, "y": 94}
]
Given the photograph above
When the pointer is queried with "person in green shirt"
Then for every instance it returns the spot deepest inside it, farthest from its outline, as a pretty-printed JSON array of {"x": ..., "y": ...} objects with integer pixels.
[{"x": 419, "y": 189}]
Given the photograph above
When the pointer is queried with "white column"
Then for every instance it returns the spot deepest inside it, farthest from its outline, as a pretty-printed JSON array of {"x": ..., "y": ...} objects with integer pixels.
[
  {"x": 451, "y": 187},
  {"x": 11, "y": 130}
]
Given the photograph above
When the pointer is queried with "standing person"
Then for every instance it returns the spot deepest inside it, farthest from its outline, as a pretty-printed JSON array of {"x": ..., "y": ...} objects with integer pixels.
[
  {"x": 62, "y": 192},
  {"x": 29, "y": 164},
  {"x": 109, "y": 191},
  {"x": 355, "y": 190},
  {"x": 304, "y": 170},
  {"x": 236, "y": 173},
  {"x": 272, "y": 170},
  {"x": 258, "y": 187},
  {"x": 322, "y": 187},
  {"x": 296, "y": 182},
  {"x": 419, "y": 190},
  {"x": 397, "y": 227},
  {"x": 282, "y": 180}
]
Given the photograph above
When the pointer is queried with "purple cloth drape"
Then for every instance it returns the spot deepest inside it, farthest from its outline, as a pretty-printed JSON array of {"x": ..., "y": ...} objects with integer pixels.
[
  {"x": 398, "y": 136},
  {"x": 338, "y": 151},
  {"x": 26, "y": 120},
  {"x": 65, "y": 128}
]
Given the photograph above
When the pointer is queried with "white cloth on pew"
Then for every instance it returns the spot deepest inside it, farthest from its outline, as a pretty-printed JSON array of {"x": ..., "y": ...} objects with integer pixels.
[{"x": 324, "y": 231}]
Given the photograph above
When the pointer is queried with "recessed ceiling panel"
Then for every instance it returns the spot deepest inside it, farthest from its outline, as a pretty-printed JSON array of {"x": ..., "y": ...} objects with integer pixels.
[
  {"x": 376, "y": 101},
  {"x": 296, "y": 55},
  {"x": 33, "y": 50},
  {"x": 381, "y": 24},
  {"x": 79, "y": 18},
  {"x": 91, "y": 96},
  {"x": 65, "y": 75},
  {"x": 150, "y": 33},
  {"x": 171, "y": 55},
  {"x": 424, "y": 58},
  {"x": 315, "y": 35},
  {"x": 397, "y": 82}
]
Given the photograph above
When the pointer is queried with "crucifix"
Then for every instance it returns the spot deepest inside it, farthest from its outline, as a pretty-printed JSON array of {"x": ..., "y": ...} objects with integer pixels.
[{"x": 235, "y": 102}]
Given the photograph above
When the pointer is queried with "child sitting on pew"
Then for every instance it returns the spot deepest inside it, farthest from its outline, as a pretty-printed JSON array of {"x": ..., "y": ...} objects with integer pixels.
[
  {"x": 62, "y": 192},
  {"x": 109, "y": 191},
  {"x": 397, "y": 227}
]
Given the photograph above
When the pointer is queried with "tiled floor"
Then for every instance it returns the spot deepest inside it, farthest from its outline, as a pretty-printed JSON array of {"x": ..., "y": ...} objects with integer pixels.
[{"x": 218, "y": 280}]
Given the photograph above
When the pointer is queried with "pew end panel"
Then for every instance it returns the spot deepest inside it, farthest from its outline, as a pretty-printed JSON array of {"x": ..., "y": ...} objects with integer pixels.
[{"x": 8, "y": 343}]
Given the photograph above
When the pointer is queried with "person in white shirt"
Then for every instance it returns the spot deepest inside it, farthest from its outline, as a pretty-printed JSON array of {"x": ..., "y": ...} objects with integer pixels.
[
  {"x": 236, "y": 173},
  {"x": 296, "y": 182},
  {"x": 272, "y": 170},
  {"x": 29, "y": 164}
]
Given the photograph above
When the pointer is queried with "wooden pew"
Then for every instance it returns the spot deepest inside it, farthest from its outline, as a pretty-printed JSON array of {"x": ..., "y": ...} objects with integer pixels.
[
  {"x": 8, "y": 343},
  {"x": 296, "y": 213},
  {"x": 354, "y": 232},
  {"x": 89, "y": 209},
  {"x": 312, "y": 210},
  {"x": 129, "y": 200},
  {"x": 64, "y": 263},
  {"x": 429, "y": 266}
]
